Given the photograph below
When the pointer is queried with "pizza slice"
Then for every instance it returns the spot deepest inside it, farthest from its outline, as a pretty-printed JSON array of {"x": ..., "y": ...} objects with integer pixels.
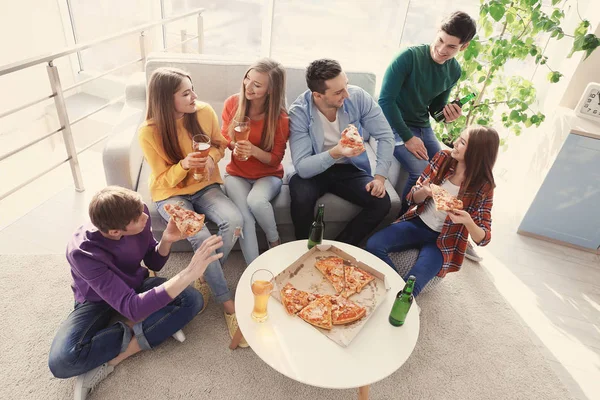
[
  {"x": 294, "y": 300},
  {"x": 188, "y": 222},
  {"x": 344, "y": 311},
  {"x": 351, "y": 138},
  {"x": 332, "y": 268},
  {"x": 318, "y": 312},
  {"x": 356, "y": 280},
  {"x": 443, "y": 200}
]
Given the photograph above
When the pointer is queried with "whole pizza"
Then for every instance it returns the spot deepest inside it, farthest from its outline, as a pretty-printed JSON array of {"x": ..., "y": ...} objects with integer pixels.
[{"x": 325, "y": 311}]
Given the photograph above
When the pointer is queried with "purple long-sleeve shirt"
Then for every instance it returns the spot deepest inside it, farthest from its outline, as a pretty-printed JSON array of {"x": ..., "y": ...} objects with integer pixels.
[{"x": 110, "y": 270}]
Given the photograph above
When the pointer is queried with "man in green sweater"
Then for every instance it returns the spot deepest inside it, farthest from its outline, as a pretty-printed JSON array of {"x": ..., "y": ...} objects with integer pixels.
[{"x": 416, "y": 85}]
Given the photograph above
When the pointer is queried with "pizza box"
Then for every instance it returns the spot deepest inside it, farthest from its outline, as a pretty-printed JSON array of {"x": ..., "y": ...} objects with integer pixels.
[{"x": 305, "y": 276}]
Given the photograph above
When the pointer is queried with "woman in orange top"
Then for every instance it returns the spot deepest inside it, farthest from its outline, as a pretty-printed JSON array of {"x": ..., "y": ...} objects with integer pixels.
[
  {"x": 442, "y": 237},
  {"x": 253, "y": 183},
  {"x": 174, "y": 116}
]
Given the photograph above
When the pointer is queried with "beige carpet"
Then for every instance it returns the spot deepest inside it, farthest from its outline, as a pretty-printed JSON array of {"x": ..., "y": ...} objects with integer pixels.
[{"x": 472, "y": 346}]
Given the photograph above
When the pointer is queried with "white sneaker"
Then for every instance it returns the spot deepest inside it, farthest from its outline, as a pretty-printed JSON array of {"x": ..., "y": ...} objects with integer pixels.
[
  {"x": 85, "y": 383},
  {"x": 471, "y": 254},
  {"x": 179, "y": 336}
]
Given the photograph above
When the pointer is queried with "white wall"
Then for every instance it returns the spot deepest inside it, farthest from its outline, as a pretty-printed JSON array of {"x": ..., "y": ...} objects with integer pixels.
[
  {"x": 587, "y": 71},
  {"x": 551, "y": 95}
]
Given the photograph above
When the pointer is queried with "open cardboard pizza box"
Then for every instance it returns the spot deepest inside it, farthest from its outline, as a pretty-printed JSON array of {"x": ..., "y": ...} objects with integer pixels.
[{"x": 304, "y": 276}]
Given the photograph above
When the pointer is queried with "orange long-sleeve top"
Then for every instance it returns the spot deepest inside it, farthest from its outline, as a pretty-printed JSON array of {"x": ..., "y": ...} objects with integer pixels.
[{"x": 253, "y": 168}]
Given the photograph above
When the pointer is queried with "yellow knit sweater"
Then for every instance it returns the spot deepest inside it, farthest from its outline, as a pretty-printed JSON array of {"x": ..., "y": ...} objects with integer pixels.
[{"x": 167, "y": 179}]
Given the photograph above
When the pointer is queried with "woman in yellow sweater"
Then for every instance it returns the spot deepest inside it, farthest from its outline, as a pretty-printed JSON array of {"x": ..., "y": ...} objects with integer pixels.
[{"x": 173, "y": 118}]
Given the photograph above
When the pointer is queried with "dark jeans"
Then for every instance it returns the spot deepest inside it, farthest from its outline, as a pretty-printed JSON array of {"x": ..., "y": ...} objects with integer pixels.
[
  {"x": 412, "y": 164},
  {"x": 85, "y": 340},
  {"x": 411, "y": 234},
  {"x": 347, "y": 182}
]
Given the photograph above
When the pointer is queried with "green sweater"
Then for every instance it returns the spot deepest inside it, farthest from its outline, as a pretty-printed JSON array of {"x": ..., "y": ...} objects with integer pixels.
[{"x": 415, "y": 86}]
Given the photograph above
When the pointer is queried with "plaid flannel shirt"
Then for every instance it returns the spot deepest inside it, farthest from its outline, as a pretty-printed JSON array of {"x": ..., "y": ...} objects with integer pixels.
[{"x": 453, "y": 238}]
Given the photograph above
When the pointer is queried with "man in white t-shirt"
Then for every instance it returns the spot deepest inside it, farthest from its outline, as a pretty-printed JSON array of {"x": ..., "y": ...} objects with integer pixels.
[{"x": 317, "y": 119}]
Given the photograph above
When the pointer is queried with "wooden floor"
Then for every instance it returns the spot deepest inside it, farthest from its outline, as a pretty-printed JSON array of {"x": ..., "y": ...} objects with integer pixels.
[{"x": 555, "y": 289}]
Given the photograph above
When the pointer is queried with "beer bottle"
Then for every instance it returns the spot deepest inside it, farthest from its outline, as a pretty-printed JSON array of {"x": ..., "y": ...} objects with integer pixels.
[
  {"x": 402, "y": 304},
  {"x": 439, "y": 115},
  {"x": 317, "y": 229}
]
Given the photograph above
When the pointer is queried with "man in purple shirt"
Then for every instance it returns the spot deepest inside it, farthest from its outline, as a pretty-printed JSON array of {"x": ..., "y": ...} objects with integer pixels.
[{"x": 108, "y": 279}]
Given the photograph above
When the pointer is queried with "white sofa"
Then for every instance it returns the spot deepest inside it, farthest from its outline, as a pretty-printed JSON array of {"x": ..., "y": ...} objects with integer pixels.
[{"x": 215, "y": 79}]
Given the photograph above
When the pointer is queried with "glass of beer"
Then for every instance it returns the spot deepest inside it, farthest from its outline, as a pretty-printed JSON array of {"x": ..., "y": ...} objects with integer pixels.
[
  {"x": 201, "y": 143},
  {"x": 241, "y": 129},
  {"x": 263, "y": 283}
]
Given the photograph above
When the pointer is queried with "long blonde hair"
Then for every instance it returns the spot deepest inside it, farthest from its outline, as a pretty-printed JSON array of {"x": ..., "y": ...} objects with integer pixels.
[
  {"x": 163, "y": 84},
  {"x": 274, "y": 103}
]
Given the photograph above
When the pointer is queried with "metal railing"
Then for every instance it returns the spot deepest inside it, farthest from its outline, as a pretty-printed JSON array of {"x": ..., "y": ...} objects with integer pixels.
[{"x": 58, "y": 92}]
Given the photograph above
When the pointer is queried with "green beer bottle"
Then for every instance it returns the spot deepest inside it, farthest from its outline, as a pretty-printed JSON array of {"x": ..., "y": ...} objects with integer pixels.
[
  {"x": 402, "y": 304},
  {"x": 439, "y": 115},
  {"x": 317, "y": 229}
]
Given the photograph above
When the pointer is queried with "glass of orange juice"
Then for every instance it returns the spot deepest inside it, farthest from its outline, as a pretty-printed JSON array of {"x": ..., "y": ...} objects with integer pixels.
[{"x": 263, "y": 283}]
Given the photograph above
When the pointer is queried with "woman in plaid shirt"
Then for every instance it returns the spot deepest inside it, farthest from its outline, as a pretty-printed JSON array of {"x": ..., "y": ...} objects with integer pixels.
[{"x": 466, "y": 172}]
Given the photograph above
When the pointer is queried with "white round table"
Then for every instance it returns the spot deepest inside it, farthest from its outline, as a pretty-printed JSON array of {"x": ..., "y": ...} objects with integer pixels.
[{"x": 300, "y": 352}]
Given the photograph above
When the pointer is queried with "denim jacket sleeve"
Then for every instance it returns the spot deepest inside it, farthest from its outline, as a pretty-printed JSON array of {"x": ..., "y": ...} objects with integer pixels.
[
  {"x": 306, "y": 163},
  {"x": 373, "y": 120}
]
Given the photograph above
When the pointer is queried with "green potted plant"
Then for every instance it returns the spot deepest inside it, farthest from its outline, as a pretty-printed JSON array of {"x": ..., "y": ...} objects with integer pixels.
[{"x": 507, "y": 30}]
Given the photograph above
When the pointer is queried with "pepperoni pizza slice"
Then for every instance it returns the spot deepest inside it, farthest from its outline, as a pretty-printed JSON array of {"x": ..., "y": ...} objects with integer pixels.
[
  {"x": 294, "y": 300},
  {"x": 188, "y": 222},
  {"x": 344, "y": 311},
  {"x": 351, "y": 138},
  {"x": 443, "y": 200},
  {"x": 356, "y": 280},
  {"x": 333, "y": 269},
  {"x": 318, "y": 313}
]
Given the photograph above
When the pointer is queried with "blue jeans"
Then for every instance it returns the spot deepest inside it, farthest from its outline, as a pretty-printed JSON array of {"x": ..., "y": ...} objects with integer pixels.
[
  {"x": 347, "y": 182},
  {"x": 212, "y": 202},
  {"x": 411, "y": 234},
  {"x": 413, "y": 165},
  {"x": 253, "y": 198},
  {"x": 85, "y": 340}
]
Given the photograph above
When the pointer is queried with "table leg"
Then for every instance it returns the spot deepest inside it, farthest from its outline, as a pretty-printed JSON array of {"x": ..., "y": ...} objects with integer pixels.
[
  {"x": 363, "y": 393},
  {"x": 235, "y": 341}
]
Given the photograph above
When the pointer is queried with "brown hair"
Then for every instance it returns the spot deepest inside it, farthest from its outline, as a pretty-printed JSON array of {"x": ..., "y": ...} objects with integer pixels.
[
  {"x": 480, "y": 157},
  {"x": 274, "y": 103},
  {"x": 115, "y": 207},
  {"x": 460, "y": 24},
  {"x": 320, "y": 71},
  {"x": 164, "y": 83}
]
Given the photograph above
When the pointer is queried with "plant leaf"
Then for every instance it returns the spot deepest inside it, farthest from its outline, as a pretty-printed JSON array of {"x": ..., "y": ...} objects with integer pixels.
[
  {"x": 497, "y": 11},
  {"x": 554, "y": 76},
  {"x": 515, "y": 116}
]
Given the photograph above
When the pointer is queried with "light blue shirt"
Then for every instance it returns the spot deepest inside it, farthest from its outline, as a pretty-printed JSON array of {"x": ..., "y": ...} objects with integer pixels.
[{"x": 307, "y": 136}]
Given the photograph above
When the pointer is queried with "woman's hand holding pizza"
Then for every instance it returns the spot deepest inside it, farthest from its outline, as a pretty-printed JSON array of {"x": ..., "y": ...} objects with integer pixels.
[
  {"x": 426, "y": 188},
  {"x": 461, "y": 217}
]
